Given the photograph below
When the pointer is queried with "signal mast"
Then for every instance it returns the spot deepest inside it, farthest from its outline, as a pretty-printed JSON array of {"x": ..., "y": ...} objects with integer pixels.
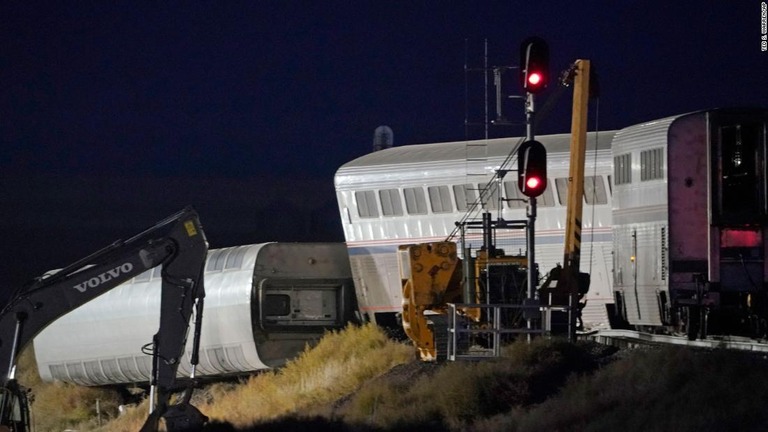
[{"x": 531, "y": 155}]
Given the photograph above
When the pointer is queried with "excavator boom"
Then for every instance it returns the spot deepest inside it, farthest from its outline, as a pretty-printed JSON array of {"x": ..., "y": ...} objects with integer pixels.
[{"x": 177, "y": 243}]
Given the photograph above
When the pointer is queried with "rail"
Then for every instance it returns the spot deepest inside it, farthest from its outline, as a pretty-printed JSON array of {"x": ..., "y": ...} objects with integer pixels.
[{"x": 632, "y": 338}]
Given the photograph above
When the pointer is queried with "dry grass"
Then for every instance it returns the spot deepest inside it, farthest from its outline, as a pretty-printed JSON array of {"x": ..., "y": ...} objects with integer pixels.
[
  {"x": 457, "y": 395},
  {"x": 358, "y": 379},
  {"x": 339, "y": 364},
  {"x": 335, "y": 367},
  {"x": 131, "y": 420},
  {"x": 662, "y": 389},
  {"x": 57, "y": 406}
]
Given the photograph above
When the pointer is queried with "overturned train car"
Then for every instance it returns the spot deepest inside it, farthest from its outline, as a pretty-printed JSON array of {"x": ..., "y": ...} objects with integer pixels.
[{"x": 264, "y": 303}]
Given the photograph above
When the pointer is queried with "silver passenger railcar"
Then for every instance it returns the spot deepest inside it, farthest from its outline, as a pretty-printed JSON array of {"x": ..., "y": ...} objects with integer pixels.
[
  {"x": 264, "y": 303},
  {"x": 690, "y": 216},
  {"x": 416, "y": 193}
]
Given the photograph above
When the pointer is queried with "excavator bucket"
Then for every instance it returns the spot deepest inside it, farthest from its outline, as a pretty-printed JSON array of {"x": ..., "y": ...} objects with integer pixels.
[
  {"x": 431, "y": 277},
  {"x": 178, "y": 418}
]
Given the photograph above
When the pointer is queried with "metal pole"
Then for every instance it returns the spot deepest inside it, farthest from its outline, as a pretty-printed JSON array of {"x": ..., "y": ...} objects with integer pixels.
[
  {"x": 529, "y": 117},
  {"x": 531, "y": 248},
  {"x": 529, "y": 126},
  {"x": 469, "y": 279},
  {"x": 20, "y": 318}
]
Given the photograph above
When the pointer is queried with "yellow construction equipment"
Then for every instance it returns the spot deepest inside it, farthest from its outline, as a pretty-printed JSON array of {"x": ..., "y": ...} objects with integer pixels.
[{"x": 431, "y": 275}]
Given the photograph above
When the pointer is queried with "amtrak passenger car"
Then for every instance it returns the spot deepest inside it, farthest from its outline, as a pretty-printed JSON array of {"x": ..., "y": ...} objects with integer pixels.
[
  {"x": 690, "y": 223},
  {"x": 417, "y": 193},
  {"x": 263, "y": 304}
]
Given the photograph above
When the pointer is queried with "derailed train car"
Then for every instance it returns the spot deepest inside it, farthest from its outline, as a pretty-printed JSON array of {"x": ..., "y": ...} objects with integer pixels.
[
  {"x": 675, "y": 229},
  {"x": 690, "y": 223},
  {"x": 264, "y": 303},
  {"x": 417, "y": 193}
]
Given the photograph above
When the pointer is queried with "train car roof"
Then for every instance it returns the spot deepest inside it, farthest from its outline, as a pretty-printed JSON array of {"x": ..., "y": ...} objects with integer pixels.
[
  {"x": 649, "y": 127},
  {"x": 457, "y": 150}
]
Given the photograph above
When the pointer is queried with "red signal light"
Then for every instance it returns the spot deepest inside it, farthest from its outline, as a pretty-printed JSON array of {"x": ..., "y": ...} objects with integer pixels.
[
  {"x": 534, "y": 64},
  {"x": 534, "y": 78},
  {"x": 531, "y": 168}
]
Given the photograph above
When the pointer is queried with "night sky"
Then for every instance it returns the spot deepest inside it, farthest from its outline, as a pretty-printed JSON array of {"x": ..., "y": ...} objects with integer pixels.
[{"x": 114, "y": 114}]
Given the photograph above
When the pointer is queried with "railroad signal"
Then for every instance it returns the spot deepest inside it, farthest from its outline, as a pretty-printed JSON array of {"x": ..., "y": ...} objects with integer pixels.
[
  {"x": 534, "y": 64},
  {"x": 532, "y": 168}
]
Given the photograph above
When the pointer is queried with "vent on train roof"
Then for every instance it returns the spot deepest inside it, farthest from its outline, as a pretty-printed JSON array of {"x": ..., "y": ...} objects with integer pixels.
[{"x": 383, "y": 138}]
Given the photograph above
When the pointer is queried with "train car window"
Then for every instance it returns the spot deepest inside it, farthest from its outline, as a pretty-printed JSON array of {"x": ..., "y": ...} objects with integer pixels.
[
  {"x": 211, "y": 260},
  {"x": 216, "y": 260},
  {"x": 440, "y": 199},
  {"x": 546, "y": 199},
  {"x": 391, "y": 205},
  {"x": 561, "y": 185},
  {"x": 652, "y": 164},
  {"x": 277, "y": 305},
  {"x": 235, "y": 258},
  {"x": 93, "y": 371},
  {"x": 741, "y": 176},
  {"x": 415, "y": 203},
  {"x": 222, "y": 259},
  {"x": 515, "y": 199},
  {"x": 366, "y": 204},
  {"x": 490, "y": 194},
  {"x": 144, "y": 363},
  {"x": 594, "y": 190},
  {"x": 465, "y": 196},
  {"x": 128, "y": 367},
  {"x": 622, "y": 169},
  {"x": 110, "y": 368}
]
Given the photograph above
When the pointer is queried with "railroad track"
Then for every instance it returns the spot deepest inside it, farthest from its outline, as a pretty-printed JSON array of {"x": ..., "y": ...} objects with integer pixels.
[{"x": 632, "y": 338}]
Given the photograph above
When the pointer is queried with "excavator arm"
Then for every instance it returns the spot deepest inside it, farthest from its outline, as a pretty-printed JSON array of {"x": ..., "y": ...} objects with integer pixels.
[
  {"x": 571, "y": 284},
  {"x": 177, "y": 243},
  {"x": 431, "y": 277}
]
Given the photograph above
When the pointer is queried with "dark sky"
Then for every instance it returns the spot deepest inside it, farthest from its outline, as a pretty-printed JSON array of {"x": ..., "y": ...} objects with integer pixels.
[{"x": 114, "y": 114}]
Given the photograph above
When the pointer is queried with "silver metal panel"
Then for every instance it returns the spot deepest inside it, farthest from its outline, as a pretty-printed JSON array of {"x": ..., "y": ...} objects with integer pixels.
[
  {"x": 301, "y": 261},
  {"x": 112, "y": 329}
]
